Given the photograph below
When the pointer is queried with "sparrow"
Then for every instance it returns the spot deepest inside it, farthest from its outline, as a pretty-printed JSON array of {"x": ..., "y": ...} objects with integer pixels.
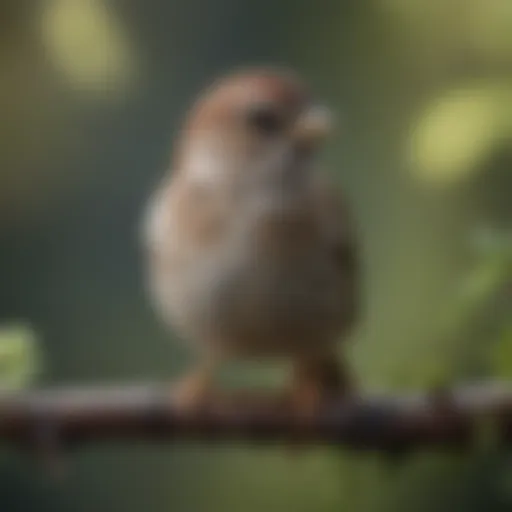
[{"x": 251, "y": 250}]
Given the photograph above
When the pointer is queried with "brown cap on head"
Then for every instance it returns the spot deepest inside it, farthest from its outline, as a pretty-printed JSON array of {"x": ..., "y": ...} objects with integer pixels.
[
  {"x": 242, "y": 88},
  {"x": 248, "y": 111}
]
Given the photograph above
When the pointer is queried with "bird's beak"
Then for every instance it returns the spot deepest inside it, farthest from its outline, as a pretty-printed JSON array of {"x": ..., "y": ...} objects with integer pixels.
[{"x": 313, "y": 125}]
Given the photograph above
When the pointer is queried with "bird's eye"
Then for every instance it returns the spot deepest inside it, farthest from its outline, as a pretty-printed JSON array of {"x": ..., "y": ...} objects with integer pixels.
[{"x": 265, "y": 120}]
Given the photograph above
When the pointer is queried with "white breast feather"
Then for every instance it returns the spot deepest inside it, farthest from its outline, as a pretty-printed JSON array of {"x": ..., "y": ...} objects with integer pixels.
[{"x": 156, "y": 222}]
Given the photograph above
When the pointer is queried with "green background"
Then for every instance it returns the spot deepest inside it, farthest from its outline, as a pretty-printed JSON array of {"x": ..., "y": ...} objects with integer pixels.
[{"x": 91, "y": 93}]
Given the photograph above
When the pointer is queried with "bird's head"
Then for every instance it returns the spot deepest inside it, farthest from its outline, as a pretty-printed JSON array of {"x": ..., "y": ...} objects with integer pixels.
[{"x": 253, "y": 126}]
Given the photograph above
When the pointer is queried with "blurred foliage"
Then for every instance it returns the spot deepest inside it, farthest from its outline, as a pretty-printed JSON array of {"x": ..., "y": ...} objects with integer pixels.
[
  {"x": 492, "y": 278},
  {"x": 87, "y": 44},
  {"x": 481, "y": 27},
  {"x": 91, "y": 92},
  {"x": 19, "y": 358},
  {"x": 492, "y": 271},
  {"x": 460, "y": 130}
]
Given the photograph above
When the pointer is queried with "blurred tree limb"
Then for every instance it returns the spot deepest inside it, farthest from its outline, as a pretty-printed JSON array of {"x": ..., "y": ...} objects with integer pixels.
[{"x": 393, "y": 423}]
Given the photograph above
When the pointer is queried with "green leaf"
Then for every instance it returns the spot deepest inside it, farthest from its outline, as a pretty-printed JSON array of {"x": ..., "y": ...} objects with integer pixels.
[
  {"x": 501, "y": 356},
  {"x": 19, "y": 357},
  {"x": 484, "y": 281},
  {"x": 490, "y": 242}
]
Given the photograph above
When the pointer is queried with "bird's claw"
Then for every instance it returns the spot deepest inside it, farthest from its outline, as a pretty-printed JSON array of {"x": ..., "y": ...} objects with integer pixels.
[{"x": 192, "y": 393}]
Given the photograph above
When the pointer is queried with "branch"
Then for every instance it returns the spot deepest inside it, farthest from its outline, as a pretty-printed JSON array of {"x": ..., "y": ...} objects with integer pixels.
[{"x": 69, "y": 417}]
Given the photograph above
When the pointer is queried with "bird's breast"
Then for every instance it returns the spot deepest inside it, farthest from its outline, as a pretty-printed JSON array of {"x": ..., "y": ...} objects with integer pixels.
[{"x": 269, "y": 287}]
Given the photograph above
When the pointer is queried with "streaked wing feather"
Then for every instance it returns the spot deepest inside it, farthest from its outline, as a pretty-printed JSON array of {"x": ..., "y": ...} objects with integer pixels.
[{"x": 342, "y": 239}]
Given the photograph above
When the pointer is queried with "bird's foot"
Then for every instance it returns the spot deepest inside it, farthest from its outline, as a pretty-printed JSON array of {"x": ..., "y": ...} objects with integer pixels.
[
  {"x": 317, "y": 383},
  {"x": 193, "y": 392}
]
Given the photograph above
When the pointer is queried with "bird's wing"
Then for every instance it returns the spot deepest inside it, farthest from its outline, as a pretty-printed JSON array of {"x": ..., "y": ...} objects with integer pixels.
[{"x": 342, "y": 238}]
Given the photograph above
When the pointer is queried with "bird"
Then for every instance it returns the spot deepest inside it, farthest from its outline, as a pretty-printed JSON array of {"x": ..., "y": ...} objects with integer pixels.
[{"x": 251, "y": 250}]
